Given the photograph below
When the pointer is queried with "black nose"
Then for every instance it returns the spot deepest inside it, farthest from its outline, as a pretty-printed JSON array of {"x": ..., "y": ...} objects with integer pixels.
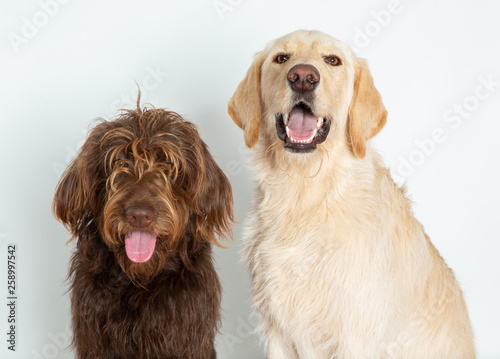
[
  {"x": 303, "y": 78},
  {"x": 139, "y": 216}
]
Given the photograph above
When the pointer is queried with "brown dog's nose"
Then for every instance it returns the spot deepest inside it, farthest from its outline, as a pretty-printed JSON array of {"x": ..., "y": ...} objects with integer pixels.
[
  {"x": 303, "y": 77},
  {"x": 139, "y": 216}
]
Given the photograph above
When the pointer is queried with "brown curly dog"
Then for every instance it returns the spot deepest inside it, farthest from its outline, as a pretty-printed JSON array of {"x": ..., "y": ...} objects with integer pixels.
[{"x": 146, "y": 201}]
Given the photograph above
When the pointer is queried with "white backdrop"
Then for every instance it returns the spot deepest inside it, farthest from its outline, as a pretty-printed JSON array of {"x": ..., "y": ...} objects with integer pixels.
[{"x": 64, "y": 63}]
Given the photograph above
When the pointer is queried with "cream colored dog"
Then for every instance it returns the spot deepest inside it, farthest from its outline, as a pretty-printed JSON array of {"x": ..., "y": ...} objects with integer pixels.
[{"x": 340, "y": 267}]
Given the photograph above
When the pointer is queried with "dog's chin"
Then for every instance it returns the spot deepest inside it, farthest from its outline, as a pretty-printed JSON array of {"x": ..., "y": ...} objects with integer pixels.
[{"x": 301, "y": 130}]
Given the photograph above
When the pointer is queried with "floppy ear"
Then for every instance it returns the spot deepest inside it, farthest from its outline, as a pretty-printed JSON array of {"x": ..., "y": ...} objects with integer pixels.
[
  {"x": 212, "y": 198},
  {"x": 70, "y": 201},
  {"x": 76, "y": 198},
  {"x": 245, "y": 105},
  {"x": 367, "y": 114}
]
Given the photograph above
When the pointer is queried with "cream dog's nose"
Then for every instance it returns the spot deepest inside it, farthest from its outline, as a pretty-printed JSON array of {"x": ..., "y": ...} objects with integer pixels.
[{"x": 303, "y": 78}]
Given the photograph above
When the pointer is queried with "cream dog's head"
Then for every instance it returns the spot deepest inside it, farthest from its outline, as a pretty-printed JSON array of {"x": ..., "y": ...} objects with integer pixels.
[{"x": 308, "y": 89}]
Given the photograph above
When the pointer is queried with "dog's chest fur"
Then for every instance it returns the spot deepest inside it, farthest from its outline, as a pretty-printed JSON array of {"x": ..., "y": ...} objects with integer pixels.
[
  {"x": 319, "y": 268},
  {"x": 139, "y": 321}
]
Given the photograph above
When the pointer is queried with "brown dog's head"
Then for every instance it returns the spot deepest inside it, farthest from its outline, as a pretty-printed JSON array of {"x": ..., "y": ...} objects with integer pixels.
[
  {"x": 147, "y": 182},
  {"x": 304, "y": 86}
]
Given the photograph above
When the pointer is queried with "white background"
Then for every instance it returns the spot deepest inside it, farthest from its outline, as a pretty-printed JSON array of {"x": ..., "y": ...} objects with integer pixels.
[{"x": 63, "y": 65}]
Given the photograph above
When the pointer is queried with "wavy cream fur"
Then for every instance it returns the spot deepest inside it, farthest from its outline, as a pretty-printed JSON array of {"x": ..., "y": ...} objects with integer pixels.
[{"x": 340, "y": 267}]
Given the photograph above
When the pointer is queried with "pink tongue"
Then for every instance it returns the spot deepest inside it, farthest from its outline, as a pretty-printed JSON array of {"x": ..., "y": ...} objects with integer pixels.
[
  {"x": 301, "y": 123},
  {"x": 140, "y": 246}
]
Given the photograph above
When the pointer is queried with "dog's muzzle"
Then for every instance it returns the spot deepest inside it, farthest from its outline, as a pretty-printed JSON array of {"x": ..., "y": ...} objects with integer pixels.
[
  {"x": 301, "y": 130},
  {"x": 140, "y": 243}
]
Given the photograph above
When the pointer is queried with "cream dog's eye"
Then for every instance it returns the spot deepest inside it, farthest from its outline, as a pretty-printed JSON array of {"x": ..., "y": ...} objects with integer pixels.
[
  {"x": 333, "y": 60},
  {"x": 281, "y": 58}
]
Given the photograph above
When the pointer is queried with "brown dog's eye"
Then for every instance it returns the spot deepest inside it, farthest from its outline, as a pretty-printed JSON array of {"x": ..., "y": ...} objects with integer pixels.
[
  {"x": 333, "y": 60},
  {"x": 281, "y": 58},
  {"x": 121, "y": 164}
]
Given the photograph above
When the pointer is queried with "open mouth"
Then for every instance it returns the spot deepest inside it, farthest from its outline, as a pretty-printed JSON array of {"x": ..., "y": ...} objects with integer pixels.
[
  {"x": 140, "y": 246},
  {"x": 301, "y": 130}
]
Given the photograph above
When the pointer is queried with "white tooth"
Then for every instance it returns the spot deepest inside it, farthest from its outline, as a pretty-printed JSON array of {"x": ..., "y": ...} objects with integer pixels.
[
  {"x": 319, "y": 123},
  {"x": 313, "y": 135},
  {"x": 287, "y": 132},
  {"x": 285, "y": 119}
]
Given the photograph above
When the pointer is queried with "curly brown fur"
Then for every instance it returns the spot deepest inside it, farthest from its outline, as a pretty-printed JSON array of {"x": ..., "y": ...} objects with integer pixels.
[{"x": 167, "y": 306}]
